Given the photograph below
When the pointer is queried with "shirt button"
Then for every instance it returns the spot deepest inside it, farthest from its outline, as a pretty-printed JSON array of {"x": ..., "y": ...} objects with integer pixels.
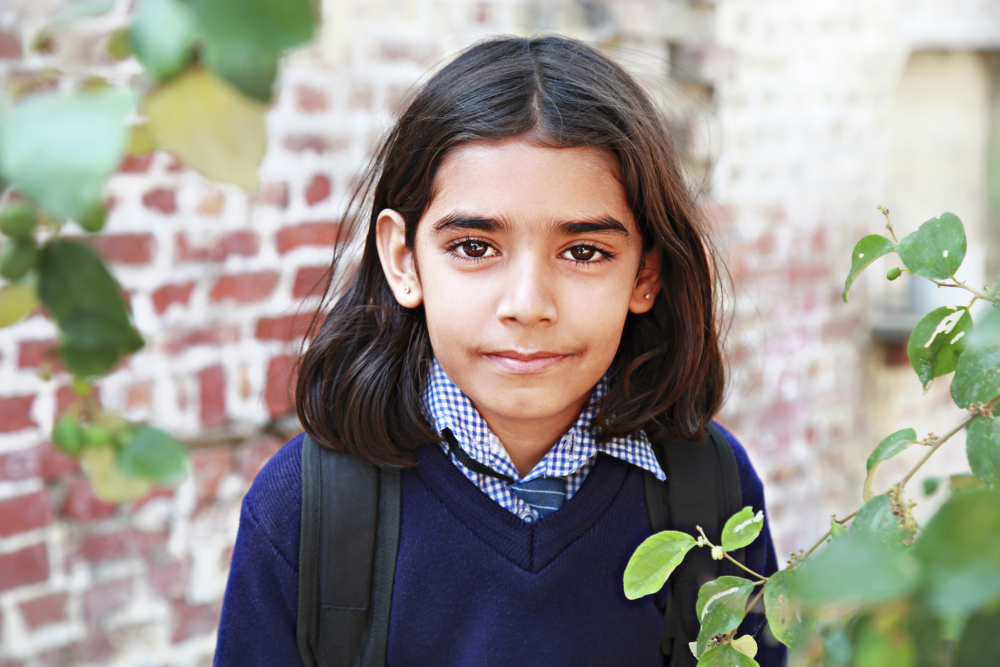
[{"x": 528, "y": 518}]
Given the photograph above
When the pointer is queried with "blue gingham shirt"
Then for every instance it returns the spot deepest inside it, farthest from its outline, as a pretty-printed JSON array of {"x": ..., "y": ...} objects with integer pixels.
[{"x": 446, "y": 406}]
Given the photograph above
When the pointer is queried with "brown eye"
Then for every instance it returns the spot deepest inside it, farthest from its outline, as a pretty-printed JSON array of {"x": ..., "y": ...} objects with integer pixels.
[
  {"x": 582, "y": 253},
  {"x": 475, "y": 248}
]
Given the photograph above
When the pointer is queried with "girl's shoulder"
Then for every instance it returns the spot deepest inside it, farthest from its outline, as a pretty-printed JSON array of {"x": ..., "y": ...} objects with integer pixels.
[{"x": 273, "y": 505}]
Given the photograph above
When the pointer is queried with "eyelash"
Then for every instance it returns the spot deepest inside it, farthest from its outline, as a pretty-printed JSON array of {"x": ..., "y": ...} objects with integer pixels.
[{"x": 452, "y": 248}]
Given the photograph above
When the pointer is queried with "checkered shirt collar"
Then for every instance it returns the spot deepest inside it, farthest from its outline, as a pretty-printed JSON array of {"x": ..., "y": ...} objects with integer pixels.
[{"x": 446, "y": 406}]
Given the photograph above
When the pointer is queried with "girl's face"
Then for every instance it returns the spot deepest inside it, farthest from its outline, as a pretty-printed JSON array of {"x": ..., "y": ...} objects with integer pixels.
[{"x": 527, "y": 262}]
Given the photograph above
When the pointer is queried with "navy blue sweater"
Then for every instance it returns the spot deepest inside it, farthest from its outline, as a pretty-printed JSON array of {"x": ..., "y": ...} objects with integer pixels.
[{"x": 474, "y": 584}]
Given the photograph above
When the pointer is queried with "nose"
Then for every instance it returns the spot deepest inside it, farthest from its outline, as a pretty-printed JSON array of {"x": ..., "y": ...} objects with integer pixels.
[{"x": 528, "y": 294}]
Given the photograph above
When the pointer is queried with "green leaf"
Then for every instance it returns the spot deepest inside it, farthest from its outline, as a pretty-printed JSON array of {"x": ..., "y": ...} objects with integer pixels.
[
  {"x": 980, "y": 641},
  {"x": 742, "y": 529},
  {"x": 745, "y": 645},
  {"x": 865, "y": 252},
  {"x": 724, "y": 655},
  {"x": 17, "y": 301},
  {"x": 783, "y": 614},
  {"x": 267, "y": 25},
  {"x": 937, "y": 342},
  {"x": 110, "y": 484},
  {"x": 210, "y": 126},
  {"x": 67, "y": 435},
  {"x": 960, "y": 553},
  {"x": 837, "y": 531},
  {"x": 837, "y": 649},
  {"x": 936, "y": 249},
  {"x": 162, "y": 36},
  {"x": 877, "y": 644},
  {"x": 977, "y": 377},
  {"x": 62, "y": 148},
  {"x": 876, "y": 520},
  {"x": 153, "y": 455},
  {"x": 17, "y": 257},
  {"x": 931, "y": 485},
  {"x": 856, "y": 569},
  {"x": 964, "y": 482},
  {"x": 247, "y": 68},
  {"x": 986, "y": 331},
  {"x": 653, "y": 561},
  {"x": 982, "y": 446},
  {"x": 721, "y": 606},
  {"x": 84, "y": 299},
  {"x": 886, "y": 449},
  {"x": 18, "y": 220}
]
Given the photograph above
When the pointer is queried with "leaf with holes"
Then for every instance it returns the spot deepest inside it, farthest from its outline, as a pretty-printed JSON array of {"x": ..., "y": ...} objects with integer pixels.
[
  {"x": 982, "y": 446},
  {"x": 783, "y": 614},
  {"x": 742, "y": 529},
  {"x": 977, "y": 376},
  {"x": 938, "y": 341},
  {"x": 721, "y": 606},
  {"x": 653, "y": 562},
  {"x": 875, "y": 520},
  {"x": 865, "y": 252},
  {"x": 886, "y": 449},
  {"x": 936, "y": 249}
]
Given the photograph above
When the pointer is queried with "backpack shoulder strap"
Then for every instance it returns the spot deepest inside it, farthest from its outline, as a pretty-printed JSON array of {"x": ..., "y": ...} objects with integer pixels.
[
  {"x": 702, "y": 489},
  {"x": 347, "y": 558}
]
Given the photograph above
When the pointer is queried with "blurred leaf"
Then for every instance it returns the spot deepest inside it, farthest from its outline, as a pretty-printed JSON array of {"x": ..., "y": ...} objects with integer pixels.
[
  {"x": 272, "y": 26},
  {"x": 987, "y": 330},
  {"x": 210, "y": 126},
  {"x": 162, "y": 36},
  {"x": 931, "y": 485},
  {"x": 936, "y": 249},
  {"x": 837, "y": 530},
  {"x": 17, "y": 257},
  {"x": 865, "y": 252},
  {"x": 879, "y": 644},
  {"x": 724, "y": 655},
  {"x": 17, "y": 301},
  {"x": 837, "y": 649},
  {"x": 67, "y": 435},
  {"x": 856, "y": 569},
  {"x": 83, "y": 298},
  {"x": 62, "y": 148},
  {"x": 18, "y": 220},
  {"x": 965, "y": 482},
  {"x": 782, "y": 609},
  {"x": 889, "y": 447},
  {"x": 977, "y": 378},
  {"x": 980, "y": 641},
  {"x": 982, "y": 446},
  {"x": 140, "y": 140},
  {"x": 960, "y": 552},
  {"x": 117, "y": 46},
  {"x": 653, "y": 561},
  {"x": 110, "y": 484},
  {"x": 720, "y": 608},
  {"x": 153, "y": 455},
  {"x": 81, "y": 9},
  {"x": 876, "y": 521},
  {"x": 937, "y": 342},
  {"x": 742, "y": 528},
  {"x": 249, "y": 69}
]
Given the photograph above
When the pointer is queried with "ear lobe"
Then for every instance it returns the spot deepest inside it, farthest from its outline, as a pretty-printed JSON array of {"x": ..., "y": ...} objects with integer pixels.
[
  {"x": 647, "y": 284},
  {"x": 397, "y": 260}
]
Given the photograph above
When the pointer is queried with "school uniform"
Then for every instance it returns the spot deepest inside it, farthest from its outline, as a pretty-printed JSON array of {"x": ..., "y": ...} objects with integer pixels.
[{"x": 488, "y": 571}]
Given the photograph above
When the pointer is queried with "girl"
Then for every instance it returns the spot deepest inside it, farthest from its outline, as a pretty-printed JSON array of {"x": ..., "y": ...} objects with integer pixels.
[{"x": 535, "y": 302}]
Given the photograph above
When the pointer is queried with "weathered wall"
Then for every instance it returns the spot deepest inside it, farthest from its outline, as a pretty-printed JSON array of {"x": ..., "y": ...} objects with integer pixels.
[{"x": 786, "y": 111}]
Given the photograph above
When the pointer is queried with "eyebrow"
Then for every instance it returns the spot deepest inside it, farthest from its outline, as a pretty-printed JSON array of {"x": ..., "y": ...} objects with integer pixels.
[{"x": 605, "y": 225}]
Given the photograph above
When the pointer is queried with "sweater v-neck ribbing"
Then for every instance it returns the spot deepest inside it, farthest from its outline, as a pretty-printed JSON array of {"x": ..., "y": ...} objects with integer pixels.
[{"x": 529, "y": 546}]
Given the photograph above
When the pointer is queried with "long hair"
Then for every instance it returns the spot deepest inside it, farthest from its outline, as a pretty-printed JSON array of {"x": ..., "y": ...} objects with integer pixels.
[{"x": 360, "y": 381}]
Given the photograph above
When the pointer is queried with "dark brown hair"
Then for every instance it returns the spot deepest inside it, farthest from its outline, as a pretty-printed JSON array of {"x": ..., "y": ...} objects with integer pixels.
[{"x": 360, "y": 381}]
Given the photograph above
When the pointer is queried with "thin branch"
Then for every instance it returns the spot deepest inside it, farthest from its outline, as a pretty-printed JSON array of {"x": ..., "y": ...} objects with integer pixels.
[
  {"x": 753, "y": 602},
  {"x": 741, "y": 565},
  {"x": 826, "y": 535},
  {"x": 960, "y": 285},
  {"x": 974, "y": 415}
]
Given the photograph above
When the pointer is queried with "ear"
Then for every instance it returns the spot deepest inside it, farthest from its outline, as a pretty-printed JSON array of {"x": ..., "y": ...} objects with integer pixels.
[
  {"x": 398, "y": 262},
  {"x": 647, "y": 283}
]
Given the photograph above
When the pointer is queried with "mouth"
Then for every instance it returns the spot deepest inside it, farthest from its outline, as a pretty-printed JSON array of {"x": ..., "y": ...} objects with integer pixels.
[{"x": 525, "y": 363}]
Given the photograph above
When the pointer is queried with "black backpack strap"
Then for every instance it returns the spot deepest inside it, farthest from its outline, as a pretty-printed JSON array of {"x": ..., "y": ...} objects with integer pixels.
[
  {"x": 702, "y": 489},
  {"x": 347, "y": 558}
]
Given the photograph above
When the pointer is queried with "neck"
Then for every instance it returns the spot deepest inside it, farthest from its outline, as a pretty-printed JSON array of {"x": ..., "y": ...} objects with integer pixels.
[{"x": 527, "y": 441}]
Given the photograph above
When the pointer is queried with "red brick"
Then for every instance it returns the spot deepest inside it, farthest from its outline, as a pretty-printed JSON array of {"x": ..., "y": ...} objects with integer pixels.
[
  {"x": 170, "y": 579},
  {"x": 102, "y": 600},
  {"x": 309, "y": 99},
  {"x": 254, "y": 453},
  {"x": 287, "y": 328},
  {"x": 164, "y": 296},
  {"x": 306, "y": 234},
  {"x": 242, "y": 243},
  {"x": 273, "y": 194},
  {"x": 32, "y": 353},
  {"x": 65, "y": 396},
  {"x": 44, "y": 610},
  {"x": 280, "y": 385},
  {"x": 136, "y": 164},
  {"x": 212, "y": 390},
  {"x": 22, "y": 464},
  {"x": 219, "y": 335},
  {"x": 53, "y": 464},
  {"x": 116, "y": 545},
  {"x": 210, "y": 464},
  {"x": 309, "y": 280},
  {"x": 245, "y": 287},
  {"x": 10, "y": 45},
  {"x": 95, "y": 647},
  {"x": 318, "y": 189},
  {"x": 15, "y": 413},
  {"x": 27, "y": 566},
  {"x": 191, "y": 620},
  {"x": 81, "y": 503},
  {"x": 163, "y": 200},
  {"x": 130, "y": 249},
  {"x": 23, "y": 513}
]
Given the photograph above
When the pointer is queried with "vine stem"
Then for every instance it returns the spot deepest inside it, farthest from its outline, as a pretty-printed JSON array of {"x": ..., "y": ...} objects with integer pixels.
[
  {"x": 826, "y": 535},
  {"x": 754, "y": 601},
  {"x": 961, "y": 285},
  {"x": 974, "y": 415},
  {"x": 761, "y": 578}
]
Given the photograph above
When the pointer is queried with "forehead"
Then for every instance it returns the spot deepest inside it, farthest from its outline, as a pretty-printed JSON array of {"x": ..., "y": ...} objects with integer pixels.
[{"x": 523, "y": 181}]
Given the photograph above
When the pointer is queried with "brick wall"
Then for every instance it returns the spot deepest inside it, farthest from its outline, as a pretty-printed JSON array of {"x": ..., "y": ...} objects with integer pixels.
[{"x": 782, "y": 109}]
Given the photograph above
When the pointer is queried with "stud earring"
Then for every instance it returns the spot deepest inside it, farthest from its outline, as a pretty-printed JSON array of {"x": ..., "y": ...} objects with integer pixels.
[
  {"x": 406, "y": 290},
  {"x": 647, "y": 296}
]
